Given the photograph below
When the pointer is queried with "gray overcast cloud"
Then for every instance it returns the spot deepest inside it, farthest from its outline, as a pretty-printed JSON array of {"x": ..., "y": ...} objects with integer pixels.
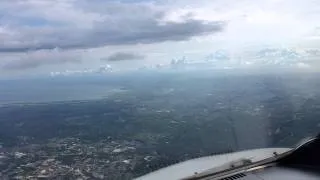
[
  {"x": 86, "y": 30},
  {"x": 123, "y": 56},
  {"x": 103, "y": 24}
]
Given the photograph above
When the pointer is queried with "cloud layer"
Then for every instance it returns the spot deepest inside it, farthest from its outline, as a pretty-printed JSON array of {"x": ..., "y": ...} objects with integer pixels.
[
  {"x": 67, "y": 24},
  {"x": 31, "y": 31},
  {"x": 124, "y": 56},
  {"x": 35, "y": 59}
]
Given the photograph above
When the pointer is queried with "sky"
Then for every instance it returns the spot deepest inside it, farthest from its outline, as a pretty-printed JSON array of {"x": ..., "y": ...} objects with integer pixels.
[{"x": 39, "y": 36}]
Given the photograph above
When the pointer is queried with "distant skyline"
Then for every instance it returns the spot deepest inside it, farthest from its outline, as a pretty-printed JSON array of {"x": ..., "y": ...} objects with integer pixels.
[{"x": 39, "y": 36}]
